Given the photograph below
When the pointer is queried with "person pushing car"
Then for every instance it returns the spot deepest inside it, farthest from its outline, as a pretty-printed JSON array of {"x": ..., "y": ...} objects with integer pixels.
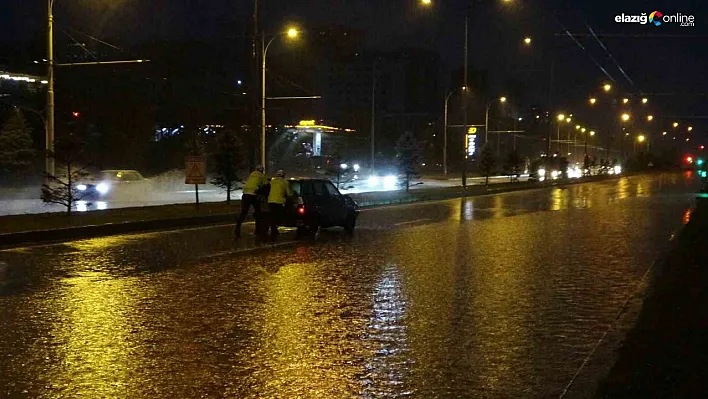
[
  {"x": 255, "y": 181},
  {"x": 279, "y": 192}
]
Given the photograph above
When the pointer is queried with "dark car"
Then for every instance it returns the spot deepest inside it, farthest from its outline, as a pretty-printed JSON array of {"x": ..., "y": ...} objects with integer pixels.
[{"x": 317, "y": 203}]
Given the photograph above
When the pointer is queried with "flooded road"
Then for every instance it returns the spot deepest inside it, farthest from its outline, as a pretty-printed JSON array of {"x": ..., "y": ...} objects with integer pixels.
[{"x": 497, "y": 296}]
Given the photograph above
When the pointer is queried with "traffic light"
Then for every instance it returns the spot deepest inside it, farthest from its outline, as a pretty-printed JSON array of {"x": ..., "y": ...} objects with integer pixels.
[
  {"x": 689, "y": 159},
  {"x": 700, "y": 162}
]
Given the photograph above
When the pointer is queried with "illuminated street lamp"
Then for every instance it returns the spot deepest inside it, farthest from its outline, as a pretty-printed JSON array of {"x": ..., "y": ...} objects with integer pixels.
[
  {"x": 607, "y": 87},
  {"x": 645, "y": 100},
  {"x": 593, "y": 100},
  {"x": 690, "y": 128},
  {"x": 561, "y": 118},
  {"x": 426, "y": 2},
  {"x": 676, "y": 124},
  {"x": 291, "y": 33},
  {"x": 577, "y": 127},
  {"x": 625, "y": 117},
  {"x": 650, "y": 118},
  {"x": 641, "y": 138},
  {"x": 527, "y": 41},
  {"x": 663, "y": 134},
  {"x": 486, "y": 118},
  {"x": 625, "y": 100},
  {"x": 591, "y": 134},
  {"x": 582, "y": 130},
  {"x": 447, "y": 100}
]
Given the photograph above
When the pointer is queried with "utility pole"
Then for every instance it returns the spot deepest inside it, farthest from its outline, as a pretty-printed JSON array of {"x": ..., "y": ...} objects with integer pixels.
[
  {"x": 447, "y": 100},
  {"x": 49, "y": 126},
  {"x": 373, "y": 121},
  {"x": 253, "y": 97},
  {"x": 464, "y": 101},
  {"x": 263, "y": 102}
]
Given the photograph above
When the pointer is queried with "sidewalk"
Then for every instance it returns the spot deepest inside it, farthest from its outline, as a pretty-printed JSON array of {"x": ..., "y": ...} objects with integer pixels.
[{"x": 666, "y": 353}]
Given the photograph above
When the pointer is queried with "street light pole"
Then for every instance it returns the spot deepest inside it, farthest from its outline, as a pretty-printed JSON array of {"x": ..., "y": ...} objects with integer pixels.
[
  {"x": 292, "y": 32},
  {"x": 447, "y": 99},
  {"x": 264, "y": 51},
  {"x": 464, "y": 100},
  {"x": 49, "y": 125},
  {"x": 486, "y": 123},
  {"x": 373, "y": 122}
]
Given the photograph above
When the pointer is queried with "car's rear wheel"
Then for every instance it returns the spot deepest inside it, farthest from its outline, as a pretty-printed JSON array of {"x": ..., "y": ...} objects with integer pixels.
[{"x": 308, "y": 231}]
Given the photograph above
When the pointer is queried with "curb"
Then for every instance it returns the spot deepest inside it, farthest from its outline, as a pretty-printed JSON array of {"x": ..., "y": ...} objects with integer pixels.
[{"x": 10, "y": 240}]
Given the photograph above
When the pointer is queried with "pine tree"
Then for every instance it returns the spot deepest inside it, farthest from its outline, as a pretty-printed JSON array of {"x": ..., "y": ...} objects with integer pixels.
[
  {"x": 16, "y": 150},
  {"x": 408, "y": 153},
  {"x": 229, "y": 162},
  {"x": 487, "y": 161}
]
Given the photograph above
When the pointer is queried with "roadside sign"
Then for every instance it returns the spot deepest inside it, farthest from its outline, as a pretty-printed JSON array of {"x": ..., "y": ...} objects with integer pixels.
[
  {"x": 470, "y": 144},
  {"x": 195, "y": 172},
  {"x": 472, "y": 130}
]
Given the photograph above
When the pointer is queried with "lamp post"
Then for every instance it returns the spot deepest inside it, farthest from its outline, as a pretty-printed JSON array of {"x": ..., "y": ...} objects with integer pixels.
[
  {"x": 447, "y": 99},
  {"x": 567, "y": 144},
  {"x": 591, "y": 134},
  {"x": 486, "y": 122},
  {"x": 291, "y": 33},
  {"x": 49, "y": 124},
  {"x": 561, "y": 118}
]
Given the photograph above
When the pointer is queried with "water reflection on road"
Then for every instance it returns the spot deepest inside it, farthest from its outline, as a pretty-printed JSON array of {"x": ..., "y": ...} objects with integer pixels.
[{"x": 494, "y": 296}]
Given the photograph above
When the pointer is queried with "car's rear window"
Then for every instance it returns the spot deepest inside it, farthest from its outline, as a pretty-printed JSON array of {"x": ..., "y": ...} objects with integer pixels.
[{"x": 316, "y": 188}]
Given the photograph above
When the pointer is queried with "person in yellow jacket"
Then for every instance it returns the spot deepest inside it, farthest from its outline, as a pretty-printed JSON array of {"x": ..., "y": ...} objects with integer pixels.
[
  {"x": 255, "y": 181},
  {"x": 279, "y": 192}
]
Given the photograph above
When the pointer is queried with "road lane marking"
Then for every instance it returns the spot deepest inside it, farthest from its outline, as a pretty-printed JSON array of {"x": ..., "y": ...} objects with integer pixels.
[
  {"x": 264, "y": 246},
  {"x": 412, "y": 222}
]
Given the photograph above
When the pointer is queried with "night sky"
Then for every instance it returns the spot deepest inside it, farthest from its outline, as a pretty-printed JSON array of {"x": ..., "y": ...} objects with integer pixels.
[{"x": 667, "y": 63}]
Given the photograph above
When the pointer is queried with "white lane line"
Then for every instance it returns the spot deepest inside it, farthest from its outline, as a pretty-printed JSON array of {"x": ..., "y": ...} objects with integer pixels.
[
  {"x": 247, "y": 250},
  {"x": 412, "y": 222}
]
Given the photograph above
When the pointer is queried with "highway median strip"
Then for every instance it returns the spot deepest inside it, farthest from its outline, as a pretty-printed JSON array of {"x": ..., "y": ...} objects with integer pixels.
[{"x": 18, "y": 230}]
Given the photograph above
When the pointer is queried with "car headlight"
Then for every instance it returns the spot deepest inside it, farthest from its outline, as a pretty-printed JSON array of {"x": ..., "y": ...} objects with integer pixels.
[
  {"x": 373, "y": 181},
  {"x": 618, "y": 169},
  {"x": 542, "y": 172},
  {"x": 390, "y": 182},
  {"x": 102, "y": 188},
  {"x": 81, "y": 187}
]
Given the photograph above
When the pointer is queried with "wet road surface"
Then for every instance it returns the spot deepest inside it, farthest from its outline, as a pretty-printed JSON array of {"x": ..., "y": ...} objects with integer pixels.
[{"x": 496, "y": 296}]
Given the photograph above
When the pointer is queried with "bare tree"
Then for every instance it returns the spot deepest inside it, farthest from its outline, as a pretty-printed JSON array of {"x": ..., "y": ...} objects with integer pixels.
[{"x": 62, "y": 188}]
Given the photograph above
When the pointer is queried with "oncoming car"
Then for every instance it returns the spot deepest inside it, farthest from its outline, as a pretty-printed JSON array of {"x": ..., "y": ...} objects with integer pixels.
[{"x": 111, "y": 182}]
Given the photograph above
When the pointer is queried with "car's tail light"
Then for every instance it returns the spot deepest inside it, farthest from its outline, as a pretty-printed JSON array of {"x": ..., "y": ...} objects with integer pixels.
[{"x": 301, "y": 209}]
